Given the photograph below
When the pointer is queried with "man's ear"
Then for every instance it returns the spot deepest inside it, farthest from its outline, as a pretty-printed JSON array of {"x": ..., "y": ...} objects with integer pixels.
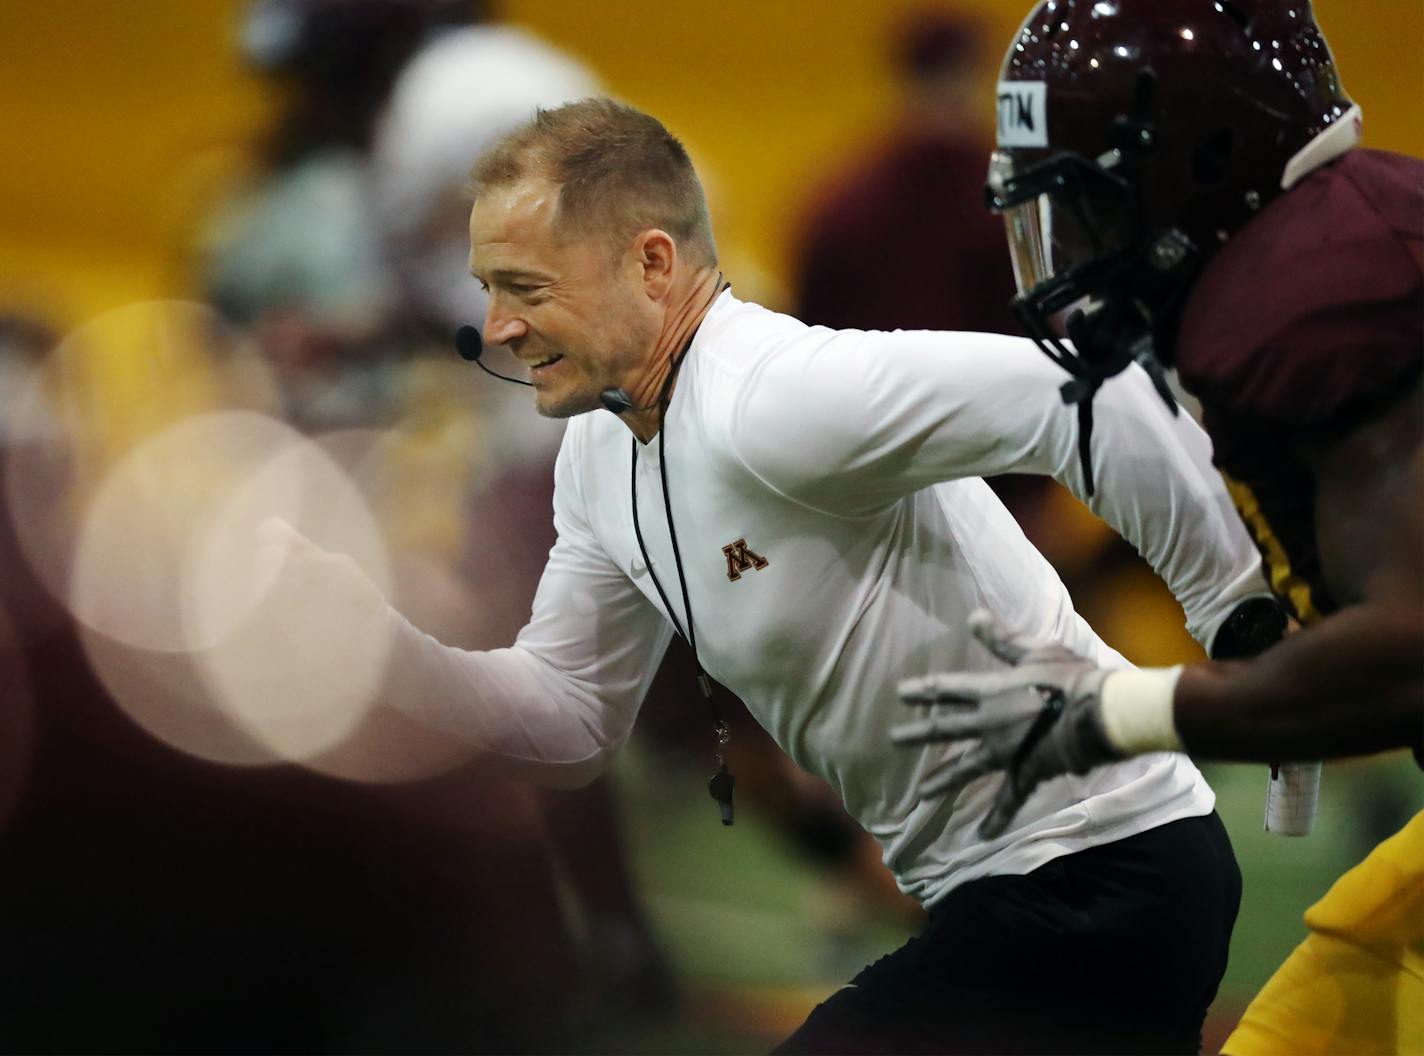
[{"x": 656, "y": 253}]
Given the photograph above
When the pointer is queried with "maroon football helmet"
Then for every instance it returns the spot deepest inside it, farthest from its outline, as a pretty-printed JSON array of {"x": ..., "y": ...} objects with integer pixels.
[{"x": 1134, "y": 137}]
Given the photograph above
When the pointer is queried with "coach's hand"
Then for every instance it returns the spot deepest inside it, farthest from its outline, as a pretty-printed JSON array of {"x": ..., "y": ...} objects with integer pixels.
[
  {"x": 312, "y": 590},
  {"x": 1039, "y": 719}
]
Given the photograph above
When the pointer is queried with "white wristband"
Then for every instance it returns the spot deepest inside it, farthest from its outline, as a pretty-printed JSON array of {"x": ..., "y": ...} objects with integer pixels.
[{"x": 1137, "y": 710}]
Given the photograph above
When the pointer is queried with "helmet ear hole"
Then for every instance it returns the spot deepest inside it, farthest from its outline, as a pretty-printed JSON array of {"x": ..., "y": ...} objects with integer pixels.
[{"x": 1211, "y": 159}]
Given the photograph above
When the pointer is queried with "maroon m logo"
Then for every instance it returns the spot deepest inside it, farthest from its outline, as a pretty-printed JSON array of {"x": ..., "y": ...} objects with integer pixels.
[{"x": 742, "y": 558}]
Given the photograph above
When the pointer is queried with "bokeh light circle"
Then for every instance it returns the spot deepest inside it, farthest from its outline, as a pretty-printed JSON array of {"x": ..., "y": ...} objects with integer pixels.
[{"x": 298, "y": 671}]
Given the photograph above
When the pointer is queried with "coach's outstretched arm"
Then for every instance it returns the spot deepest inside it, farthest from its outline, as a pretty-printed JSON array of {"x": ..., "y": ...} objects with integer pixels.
[
  {"x": 882, "y": 415},
  {"x": 1351, "y": 684},
  {"x": 553, "y": 708}
]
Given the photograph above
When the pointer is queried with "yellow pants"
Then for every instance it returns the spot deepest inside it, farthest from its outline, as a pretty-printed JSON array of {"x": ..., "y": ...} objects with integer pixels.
[{"x": 1355, "y": 986}]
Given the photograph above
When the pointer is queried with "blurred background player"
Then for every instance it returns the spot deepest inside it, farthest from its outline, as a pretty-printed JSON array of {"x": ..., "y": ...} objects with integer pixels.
[
  {"x": 348, "y": 262},
  {"x": 1184, "y": 177},
  {"x": 897, "y": 237}
]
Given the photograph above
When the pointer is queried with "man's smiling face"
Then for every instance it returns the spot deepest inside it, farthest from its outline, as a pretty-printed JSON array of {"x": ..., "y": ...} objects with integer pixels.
[{"x": 570, "y": 306}]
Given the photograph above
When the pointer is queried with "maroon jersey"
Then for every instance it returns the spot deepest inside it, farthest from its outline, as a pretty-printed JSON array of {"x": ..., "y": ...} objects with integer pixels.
[
  {"x": 1308, "y": 321},
  {"x": 902, "y": 240}
]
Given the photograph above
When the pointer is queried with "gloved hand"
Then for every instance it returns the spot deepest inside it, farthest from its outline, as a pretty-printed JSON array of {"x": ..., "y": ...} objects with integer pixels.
[{"x": 1039, "y": 719}]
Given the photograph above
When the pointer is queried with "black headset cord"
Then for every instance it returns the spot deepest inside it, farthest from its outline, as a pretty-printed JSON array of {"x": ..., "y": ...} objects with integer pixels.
[{"x": 722, "y": 782}]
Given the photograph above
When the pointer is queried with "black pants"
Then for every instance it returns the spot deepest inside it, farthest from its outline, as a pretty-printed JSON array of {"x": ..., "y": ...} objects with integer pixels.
[{"x": 1116, "y": 949}]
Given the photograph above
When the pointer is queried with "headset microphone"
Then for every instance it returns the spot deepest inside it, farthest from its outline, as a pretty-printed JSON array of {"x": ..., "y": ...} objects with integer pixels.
[
  {"x": 617, "y": 401},
  {"x": 470, "y": 346}
]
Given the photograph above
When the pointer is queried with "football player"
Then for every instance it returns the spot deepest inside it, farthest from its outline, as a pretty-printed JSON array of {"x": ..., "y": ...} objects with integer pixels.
[{"x": 1183, "y": 187}]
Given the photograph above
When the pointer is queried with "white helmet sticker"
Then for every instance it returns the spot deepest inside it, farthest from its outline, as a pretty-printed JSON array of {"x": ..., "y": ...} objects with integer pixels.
[{"x": 1023, "y": 114}]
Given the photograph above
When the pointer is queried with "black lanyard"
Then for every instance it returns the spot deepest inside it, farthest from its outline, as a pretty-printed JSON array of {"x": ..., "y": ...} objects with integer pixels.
[{"x": 722, "y": 782}]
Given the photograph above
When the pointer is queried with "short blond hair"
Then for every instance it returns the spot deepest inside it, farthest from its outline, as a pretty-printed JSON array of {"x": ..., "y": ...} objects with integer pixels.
[{"x": 619, "y": 171}]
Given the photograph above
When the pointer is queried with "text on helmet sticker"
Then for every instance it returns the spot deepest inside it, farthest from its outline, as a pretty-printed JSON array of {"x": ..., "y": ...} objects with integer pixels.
[{"x": 1023, "y": 114}]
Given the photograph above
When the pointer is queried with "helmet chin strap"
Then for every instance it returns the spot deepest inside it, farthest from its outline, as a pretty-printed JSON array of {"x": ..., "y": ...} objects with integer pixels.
[
  {"x": 1129, "y": 339},
  {"x": 1106, "y": 338}
]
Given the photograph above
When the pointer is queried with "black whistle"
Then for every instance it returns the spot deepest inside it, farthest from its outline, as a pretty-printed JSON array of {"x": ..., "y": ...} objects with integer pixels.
[{"x": 720, "y": 788}]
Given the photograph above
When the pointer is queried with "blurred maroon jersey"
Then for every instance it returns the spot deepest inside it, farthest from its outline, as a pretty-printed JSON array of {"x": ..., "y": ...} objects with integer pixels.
[{"x": 902, "y": 240}]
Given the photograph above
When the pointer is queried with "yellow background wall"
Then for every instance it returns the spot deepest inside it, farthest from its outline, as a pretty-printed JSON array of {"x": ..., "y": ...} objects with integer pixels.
[{"x": 120, "y": 120}]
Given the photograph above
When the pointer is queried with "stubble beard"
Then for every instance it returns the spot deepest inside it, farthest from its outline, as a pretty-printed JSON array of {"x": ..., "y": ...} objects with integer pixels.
[
  {"x": 572, "y": 404},
  {"x": 586, "y": 393},
  {"x": 578, "y": 395}
]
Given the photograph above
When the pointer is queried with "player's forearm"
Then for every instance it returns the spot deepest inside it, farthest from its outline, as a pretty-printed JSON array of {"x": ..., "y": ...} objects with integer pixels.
[
  {"x": 523, "y": 721},
  {"x": 1352, "y": 684}
]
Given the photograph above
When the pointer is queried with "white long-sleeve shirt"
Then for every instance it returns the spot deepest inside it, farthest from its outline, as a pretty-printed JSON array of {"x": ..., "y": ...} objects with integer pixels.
[{"x": 849, "y": 461}]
